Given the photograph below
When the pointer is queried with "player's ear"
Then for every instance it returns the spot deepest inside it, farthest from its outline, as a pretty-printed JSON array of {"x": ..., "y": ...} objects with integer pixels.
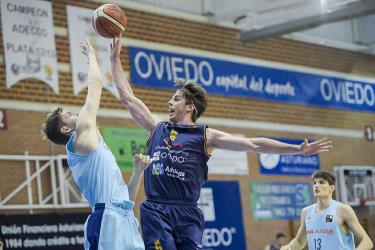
[
  {"x": 190, "y": 107},
  {"x": 65, "y": 130}
]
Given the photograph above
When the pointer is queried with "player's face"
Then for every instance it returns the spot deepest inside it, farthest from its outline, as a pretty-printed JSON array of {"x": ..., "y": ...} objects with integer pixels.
[
  {"x": 176, "y": 107},
  {"x": 322, "y": 188},
  {"x": 69, "y": 119}
]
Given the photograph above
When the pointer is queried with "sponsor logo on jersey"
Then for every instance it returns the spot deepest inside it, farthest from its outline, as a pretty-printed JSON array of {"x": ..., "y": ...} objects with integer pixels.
[
  {"x": 329, "y": 218},
  {"x": 320, "y": 231},
  {"x": 157, "y": 169}
]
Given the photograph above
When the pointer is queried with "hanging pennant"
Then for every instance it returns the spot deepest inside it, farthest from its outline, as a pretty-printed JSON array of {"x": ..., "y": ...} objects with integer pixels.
[{"x": 29, "y": 42}]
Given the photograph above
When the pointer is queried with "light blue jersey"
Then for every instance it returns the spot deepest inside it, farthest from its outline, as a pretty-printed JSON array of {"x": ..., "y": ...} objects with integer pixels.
[
  {"x": 323, "y": 231},
  {"x": 112, "y": 224},
  {"x": 97, "y": 175}
]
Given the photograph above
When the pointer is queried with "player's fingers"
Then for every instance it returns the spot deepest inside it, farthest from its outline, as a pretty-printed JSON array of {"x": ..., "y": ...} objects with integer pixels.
[
  {"x": 305, "y": 142},
  {"x": 323, "y": 150},
  {"x": 141, "y": 158},
  {"x": 136, "y": 157},
  {"x": 144, "y": 159},
  {"x": 82, "y": 44},
  {"x": 322, "y": 140},
  {"x": 88, "y": 44},
  {"x": 325, "y": 143}
]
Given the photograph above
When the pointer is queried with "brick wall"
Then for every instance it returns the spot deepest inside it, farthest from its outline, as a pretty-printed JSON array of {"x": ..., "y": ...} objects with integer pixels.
[{"x": 155, "y": 28}]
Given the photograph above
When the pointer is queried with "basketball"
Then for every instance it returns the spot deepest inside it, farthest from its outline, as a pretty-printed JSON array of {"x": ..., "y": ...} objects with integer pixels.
[{"x": 109, "y": 21}]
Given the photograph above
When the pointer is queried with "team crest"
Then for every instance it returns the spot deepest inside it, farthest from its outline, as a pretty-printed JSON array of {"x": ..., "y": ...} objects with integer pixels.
[
  {"x": 329, "y": 218},
  {"x": 158, "y": 245},
  {"x": 173, "y": 135}
]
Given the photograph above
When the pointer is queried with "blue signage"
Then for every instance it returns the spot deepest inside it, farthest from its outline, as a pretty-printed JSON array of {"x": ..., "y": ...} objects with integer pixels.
[
  {"x": 158, "y": 69},
  {"x": 221, "y": 205},
  {"x": 279, "y": 200},
  {"x": 288, "y": 164}
]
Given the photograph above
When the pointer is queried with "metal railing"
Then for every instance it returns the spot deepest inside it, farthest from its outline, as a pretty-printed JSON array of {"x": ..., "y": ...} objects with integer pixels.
[{"x": 59, "y": 192}]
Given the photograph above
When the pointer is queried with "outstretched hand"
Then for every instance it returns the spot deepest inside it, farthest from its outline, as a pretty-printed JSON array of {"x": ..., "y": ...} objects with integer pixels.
[
  {"x": 316, "y": 147},
  {"x": 116, "y": 47},
  {"x": 87, "y": 49},
  {"x": 142, "y": 162}
]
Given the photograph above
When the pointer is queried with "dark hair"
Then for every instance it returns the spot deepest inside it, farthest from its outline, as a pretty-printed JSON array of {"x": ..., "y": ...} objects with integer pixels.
[
  {"x": 195, "y": 94},
  {"x": 325, "y": 175},
  {"x": 280, "y": 235},
  {"x": 51, "y": 128}
]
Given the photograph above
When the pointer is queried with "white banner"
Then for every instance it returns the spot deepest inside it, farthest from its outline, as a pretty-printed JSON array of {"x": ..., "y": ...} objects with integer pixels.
[
  {"x": 29, "y": 42},
  {"x": 80, "y": 29},
  {"x": 228, "y": 162}
]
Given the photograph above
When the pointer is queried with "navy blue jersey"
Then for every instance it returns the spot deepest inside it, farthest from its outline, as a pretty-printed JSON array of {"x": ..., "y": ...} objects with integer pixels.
[{"x": 179, "y": 165}]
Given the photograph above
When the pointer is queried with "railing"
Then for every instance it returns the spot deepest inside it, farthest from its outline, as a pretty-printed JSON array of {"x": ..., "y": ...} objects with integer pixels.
[{"x": 59, "y": 192}]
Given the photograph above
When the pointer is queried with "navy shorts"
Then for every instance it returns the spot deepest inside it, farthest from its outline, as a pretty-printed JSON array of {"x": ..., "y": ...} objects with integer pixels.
[{"x": 171, "y": 226}]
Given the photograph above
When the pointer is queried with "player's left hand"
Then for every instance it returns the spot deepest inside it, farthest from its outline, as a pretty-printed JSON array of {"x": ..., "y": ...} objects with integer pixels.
[
  {"x": 142, "y": 162},
  {"x": 316, "y": 147}
]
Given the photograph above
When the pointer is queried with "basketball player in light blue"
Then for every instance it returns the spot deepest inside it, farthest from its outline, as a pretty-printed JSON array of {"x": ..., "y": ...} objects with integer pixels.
[
  {"x": 112, "y": 224},
  {"x": 328, "y": 224}
]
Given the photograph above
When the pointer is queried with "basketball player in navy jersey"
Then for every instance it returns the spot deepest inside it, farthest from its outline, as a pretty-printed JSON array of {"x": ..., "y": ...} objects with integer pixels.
[
  {"x": 170, "y": 218},
  {"x": 112, "y": 224},
  {"x": 328, "y": 224}
]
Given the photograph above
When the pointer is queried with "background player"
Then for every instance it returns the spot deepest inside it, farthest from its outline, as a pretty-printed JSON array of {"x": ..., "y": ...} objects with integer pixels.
[{"x": 328, "y": 224}]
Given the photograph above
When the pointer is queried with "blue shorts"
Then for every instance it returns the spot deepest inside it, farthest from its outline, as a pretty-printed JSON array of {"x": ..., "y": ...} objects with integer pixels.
[
  {"x": 112, "y": 227},
  {"x": 171, "y": 226}
]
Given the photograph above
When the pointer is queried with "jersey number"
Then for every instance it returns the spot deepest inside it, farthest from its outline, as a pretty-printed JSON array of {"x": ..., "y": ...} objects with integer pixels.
[{"x": 317, "y": 244}]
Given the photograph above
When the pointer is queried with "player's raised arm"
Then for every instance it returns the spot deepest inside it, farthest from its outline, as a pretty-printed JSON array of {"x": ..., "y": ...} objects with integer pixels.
[
  {"x": 222, "y": 140},
  {"x": 138, "y": 110},
  {"x": 86, "y": 129},
  {"x": 351, "y": 220}
]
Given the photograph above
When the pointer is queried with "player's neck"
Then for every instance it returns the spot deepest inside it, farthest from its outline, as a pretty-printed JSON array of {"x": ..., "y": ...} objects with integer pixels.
[
  {"x": 323, "y": 202},
  {"x": 185, "y": 121}
]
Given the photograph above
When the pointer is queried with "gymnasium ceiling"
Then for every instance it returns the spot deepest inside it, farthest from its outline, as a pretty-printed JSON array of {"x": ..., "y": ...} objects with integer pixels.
[{"x": 344, "y": 24}]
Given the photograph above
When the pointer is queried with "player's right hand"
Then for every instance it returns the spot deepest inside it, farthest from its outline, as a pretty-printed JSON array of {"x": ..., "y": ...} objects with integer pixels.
[
  {"x": 116, "y": 48},
  {"x": 87, "y": 49}
]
